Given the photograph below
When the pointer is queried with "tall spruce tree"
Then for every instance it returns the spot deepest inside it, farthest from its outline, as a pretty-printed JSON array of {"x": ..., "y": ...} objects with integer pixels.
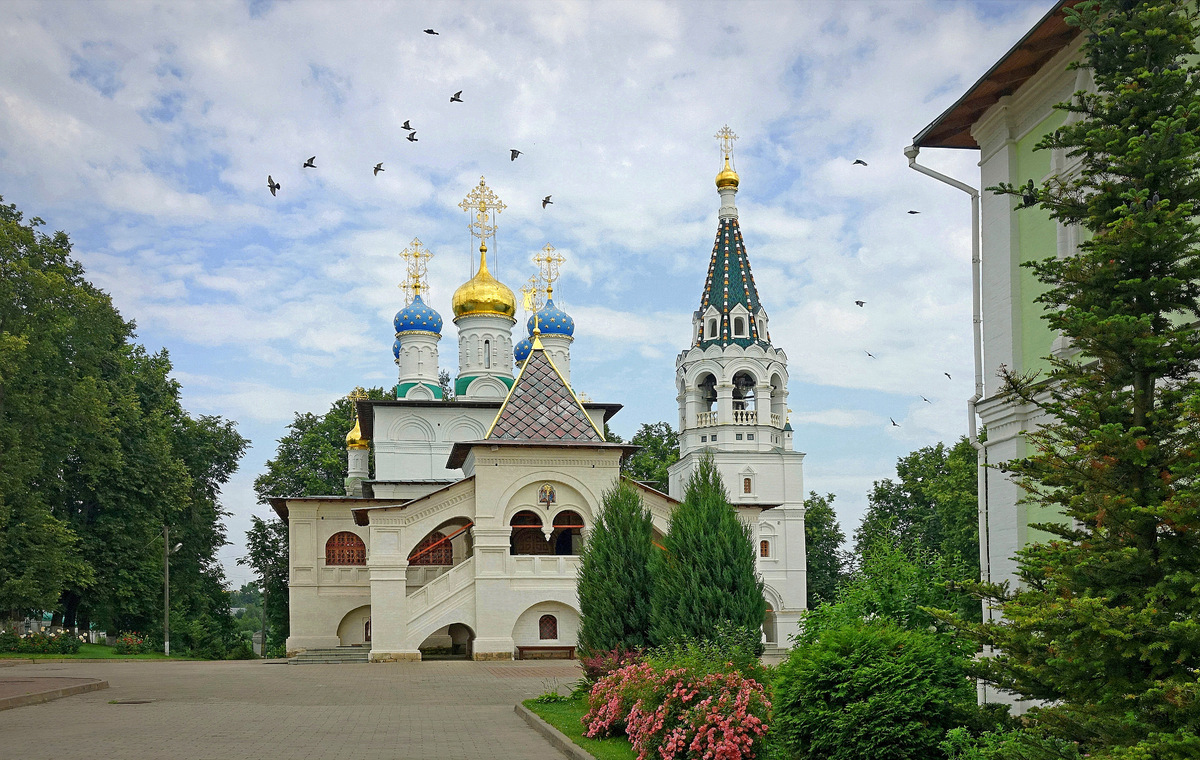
[
  {"x": 1105, "y": 623},
  {"x": 614, "y": 574},
  {"x": 705, "y": 574}
]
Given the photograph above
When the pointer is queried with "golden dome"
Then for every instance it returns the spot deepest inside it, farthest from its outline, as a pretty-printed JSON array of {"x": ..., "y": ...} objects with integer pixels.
[
  {"x": 355, "y": 440},
  {"x": 728, "y": 177},
  {"x": 484, "y": 294}
]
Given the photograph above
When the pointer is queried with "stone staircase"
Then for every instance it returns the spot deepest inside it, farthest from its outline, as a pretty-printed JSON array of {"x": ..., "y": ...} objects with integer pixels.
[{"x": 335, "y": 656}]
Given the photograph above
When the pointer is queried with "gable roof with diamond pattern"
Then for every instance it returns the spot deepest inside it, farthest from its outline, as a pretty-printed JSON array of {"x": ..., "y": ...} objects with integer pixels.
[{"x": 542, "y": 407}]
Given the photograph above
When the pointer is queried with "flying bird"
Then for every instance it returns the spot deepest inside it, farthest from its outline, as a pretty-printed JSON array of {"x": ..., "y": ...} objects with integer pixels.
[
  {"x": 272, "y": 185},
  {"x": 859, "y": 162},
  {"x": 429, "y": 31},
  {"x": 927, "y": 401},
  {"x": 405, "y": 125},
  {"x": 456, "y": 97},
  {"x": 894, "y": 423},
  {"x": 546, "y": 201},
  {"x": 514, "y": 153},
  {"x": 860, "y": 304},
  {"x": 412, "y": 137},
  {"x": 914, "y": 212},
  {"x": 947, "y": 374},
  {"x": 378, "y": 168},
  {"x": 311, "y": 163},
  {"x": 868, "y": 353}
]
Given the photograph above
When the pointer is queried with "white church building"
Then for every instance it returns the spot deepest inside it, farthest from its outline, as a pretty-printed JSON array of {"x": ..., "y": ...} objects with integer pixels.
[{"x": 467, "y": 539}]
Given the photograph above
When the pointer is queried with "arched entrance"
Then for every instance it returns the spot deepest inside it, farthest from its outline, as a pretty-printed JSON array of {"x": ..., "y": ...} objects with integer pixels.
[
  {"x": 452, "y": 642},
  {"x": 355, "y": 628}
]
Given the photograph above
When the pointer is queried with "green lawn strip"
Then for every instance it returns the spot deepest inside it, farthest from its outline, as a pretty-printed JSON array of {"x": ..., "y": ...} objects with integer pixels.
[
  {"x": 87, "y": 652},
  {"x": 565, "y": 716}
]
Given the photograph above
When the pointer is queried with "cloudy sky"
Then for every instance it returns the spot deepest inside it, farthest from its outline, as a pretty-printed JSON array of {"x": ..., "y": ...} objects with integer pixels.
[{"x": 147, "y": 130}]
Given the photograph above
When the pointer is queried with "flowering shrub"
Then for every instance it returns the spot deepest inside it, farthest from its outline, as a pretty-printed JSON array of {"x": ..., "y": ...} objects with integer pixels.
[
  {"x": 599, "y": 664},
  {"x": 63, "y": 642},
  {"x": 130, "y": 642},
  {"x": 678, "y": 713}
]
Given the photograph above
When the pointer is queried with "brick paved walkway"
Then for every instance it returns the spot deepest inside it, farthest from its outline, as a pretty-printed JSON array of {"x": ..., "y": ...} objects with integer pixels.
[{"x": 203, "y": 710}]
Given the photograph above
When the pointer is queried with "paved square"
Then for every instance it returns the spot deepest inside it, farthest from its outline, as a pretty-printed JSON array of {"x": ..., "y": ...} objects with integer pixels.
[{"x": 209, "y": 710}]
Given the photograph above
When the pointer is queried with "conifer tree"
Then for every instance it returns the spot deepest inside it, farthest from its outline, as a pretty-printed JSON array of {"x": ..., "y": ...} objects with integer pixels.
[
  {"x": 706, "y": 573},
  {"x": 614, "y": 574},
  {"x": 1105, "y": 624}
]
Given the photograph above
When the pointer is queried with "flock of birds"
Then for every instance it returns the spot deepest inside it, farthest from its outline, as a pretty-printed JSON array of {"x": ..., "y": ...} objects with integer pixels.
[
  {"x": 311, "y": 163},
  {"x": 860, "y": 304}
]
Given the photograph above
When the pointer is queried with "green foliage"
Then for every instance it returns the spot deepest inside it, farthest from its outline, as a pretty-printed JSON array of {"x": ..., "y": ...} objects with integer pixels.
[
  {"x": 241, "y": 651},
  {"x": 551, "y": 697},
  {"x": 267, "y": 553},
  {"x": 706, "y": 573},
  {"x": 659, "y": 450},
  {"x": 933, "y": 505},
  {"x": 728, "y": 649},
  {"x": 1105, "y": 624},
  {"x": 97, "y": 454},
  {"x": 64, "y": 642},
  {"x": 823, "y": 539},
  {"x": 131, "y": 643},
  {"x": 871, "y": 690},
  {"x": 311, "y": 457},
  {"x": 614, "y": 574}
]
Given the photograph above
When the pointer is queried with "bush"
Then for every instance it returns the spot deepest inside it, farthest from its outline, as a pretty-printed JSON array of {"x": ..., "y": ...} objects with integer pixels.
[
  {"x": 130, "y": 642},
  {"x": 872, "y": 690},
  {"x": 63, "y": 642},
  {"x": 600, "y": 664},
  {"x": 241, "y": 651},
  {"x": 731, "y": 649}
]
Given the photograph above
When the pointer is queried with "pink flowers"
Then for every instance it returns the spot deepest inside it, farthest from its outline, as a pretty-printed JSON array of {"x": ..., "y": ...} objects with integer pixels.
[{"x": 674, "y": 713}]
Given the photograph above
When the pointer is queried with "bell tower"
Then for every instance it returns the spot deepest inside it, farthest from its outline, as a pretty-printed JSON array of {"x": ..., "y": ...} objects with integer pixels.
[{"x": 732, "y": 390}]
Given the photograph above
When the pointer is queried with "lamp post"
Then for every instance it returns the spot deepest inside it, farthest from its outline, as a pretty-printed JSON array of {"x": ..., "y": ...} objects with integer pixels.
[{"x": 167, "y": 551}]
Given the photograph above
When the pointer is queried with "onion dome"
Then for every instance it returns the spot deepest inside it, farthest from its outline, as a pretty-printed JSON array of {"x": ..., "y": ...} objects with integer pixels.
[
  {"x": 483, "y": 294},
  {"x": 552, "y": 320},
  {"x": 396, "y": 348},
  {"x": 522, "y": 349},
  {"x": 728, "y": 177},
  {"x": 417, "y": 317},
  {"x": 355, "y": 440}
]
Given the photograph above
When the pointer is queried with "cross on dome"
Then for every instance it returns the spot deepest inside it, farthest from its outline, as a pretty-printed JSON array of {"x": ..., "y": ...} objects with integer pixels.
[
  {"x": 416, "y": 259},
  {"x": 481, "y": 200},
  {"x": 548, "y": 263},
  {"x": 726, "y": 136}
]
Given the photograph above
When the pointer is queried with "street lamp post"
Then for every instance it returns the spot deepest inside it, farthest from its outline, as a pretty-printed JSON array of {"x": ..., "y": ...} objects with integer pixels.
[{"x": 167, "y": 550}]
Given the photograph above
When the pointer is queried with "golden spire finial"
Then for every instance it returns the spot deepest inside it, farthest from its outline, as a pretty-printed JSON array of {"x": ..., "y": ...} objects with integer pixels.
[
  {"x": 354, "y": 439},
  {"x": 532, "y": 295},
  {"x": 726, "y": 136},
  {"x": 481, "y": 199},
  {"x": 416, "y": 259},
  {"x": 548, "y": 263}
]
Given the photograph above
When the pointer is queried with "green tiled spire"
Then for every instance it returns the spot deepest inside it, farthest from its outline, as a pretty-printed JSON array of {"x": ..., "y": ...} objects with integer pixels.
[{"x": 729, "y": 283}]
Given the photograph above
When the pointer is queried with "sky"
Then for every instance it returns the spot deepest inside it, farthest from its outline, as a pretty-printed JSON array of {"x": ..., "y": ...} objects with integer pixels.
[{"x": 146, "y": 130}]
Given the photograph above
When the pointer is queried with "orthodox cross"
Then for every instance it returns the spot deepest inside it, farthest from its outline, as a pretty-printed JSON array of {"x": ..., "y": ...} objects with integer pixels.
[
  {"x": 532, "y": 295},
  {"x": 548, "y": 263},
  {"x": 481, "y": 200},
  {"x": 726, "y": 136},
  {"x": 416, "y": 260},
  {"x": 356, "y": 395}
]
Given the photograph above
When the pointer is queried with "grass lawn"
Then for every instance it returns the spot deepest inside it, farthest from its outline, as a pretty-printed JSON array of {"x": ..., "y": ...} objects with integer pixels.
[
  {"x": 565, "y": 716},
  {"x": 88, "y": 652}
]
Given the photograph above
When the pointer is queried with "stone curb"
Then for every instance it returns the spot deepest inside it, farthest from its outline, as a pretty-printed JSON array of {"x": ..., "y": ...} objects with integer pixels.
[
  {"x": 21, "y": 700},
  {"x": 561, "y": 741}
]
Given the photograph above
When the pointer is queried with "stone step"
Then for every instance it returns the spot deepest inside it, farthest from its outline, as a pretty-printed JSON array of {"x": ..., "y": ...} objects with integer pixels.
[{"x": 339, "y": 656}]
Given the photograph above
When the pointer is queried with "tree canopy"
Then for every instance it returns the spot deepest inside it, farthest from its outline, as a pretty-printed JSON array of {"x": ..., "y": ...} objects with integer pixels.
[
  {"x": 659, "y": 450},
  {"x": 823, "y": 539}
]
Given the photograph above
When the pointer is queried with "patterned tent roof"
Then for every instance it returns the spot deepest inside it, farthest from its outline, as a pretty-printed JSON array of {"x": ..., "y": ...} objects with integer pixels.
[
  {"x": 541, "y": 407},
  {"x": 730, "y": 283}
]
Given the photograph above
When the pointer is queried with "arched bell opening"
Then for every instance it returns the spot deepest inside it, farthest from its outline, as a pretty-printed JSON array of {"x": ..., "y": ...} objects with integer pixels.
[
  {"x": 526, "y": 536},
  {"x": 567, "y": 537},
  {"x": 744, "y": 391},
  {"x": 706, "y": 385}
]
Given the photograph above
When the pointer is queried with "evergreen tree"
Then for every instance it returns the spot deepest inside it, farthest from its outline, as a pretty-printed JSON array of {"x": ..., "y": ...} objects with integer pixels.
[
  {"x": 1105, "y": 625},
  {"x": 706, "y": 573},
  {"x": 823, "y": 539},
  {"x": 614, "y": 574}
]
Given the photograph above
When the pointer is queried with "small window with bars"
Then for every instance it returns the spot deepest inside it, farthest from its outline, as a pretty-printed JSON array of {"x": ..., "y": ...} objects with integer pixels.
[{"x": 548, "y": 628}]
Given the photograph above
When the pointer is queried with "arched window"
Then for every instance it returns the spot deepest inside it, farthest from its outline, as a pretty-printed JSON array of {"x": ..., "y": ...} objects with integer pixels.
[
  {"x": 487, "y": 354},
  {"x": 747, "y": 485},
  {"x": 712, "y": 328},
  {"x": 526, "y": 536},
  {"x": 548, "y": 628},
  {"x": 345, "y": 548},
  {"x": 708, "y": 391},
  {"x": 434, "y": 549},
  {"x": 739, "y": 327},
  {"x": 764, "y": 548},
  {"x": 743, "y": 391},
  {"x": 566, "y": 536},
  {"x": 762, "y": 329}
]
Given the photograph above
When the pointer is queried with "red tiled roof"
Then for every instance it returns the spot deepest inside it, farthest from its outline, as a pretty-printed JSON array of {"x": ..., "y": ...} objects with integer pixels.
[{"x": 540, "y": 407}]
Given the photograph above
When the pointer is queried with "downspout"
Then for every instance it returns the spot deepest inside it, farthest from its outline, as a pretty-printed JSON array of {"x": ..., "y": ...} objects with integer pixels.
[{"x": 981, "y": 492}]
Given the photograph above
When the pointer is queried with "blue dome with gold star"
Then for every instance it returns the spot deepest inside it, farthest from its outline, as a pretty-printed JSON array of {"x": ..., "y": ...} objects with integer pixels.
[
  {"x": 552, "y": 320},
  {"x": 417, "y": 317},
  {"x": 396, "y": 348},
  {"x": 522, "y": 350}
]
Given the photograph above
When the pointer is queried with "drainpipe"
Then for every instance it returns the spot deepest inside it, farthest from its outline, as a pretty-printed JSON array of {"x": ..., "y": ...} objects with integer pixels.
[{"x": 911, "y": 153}]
